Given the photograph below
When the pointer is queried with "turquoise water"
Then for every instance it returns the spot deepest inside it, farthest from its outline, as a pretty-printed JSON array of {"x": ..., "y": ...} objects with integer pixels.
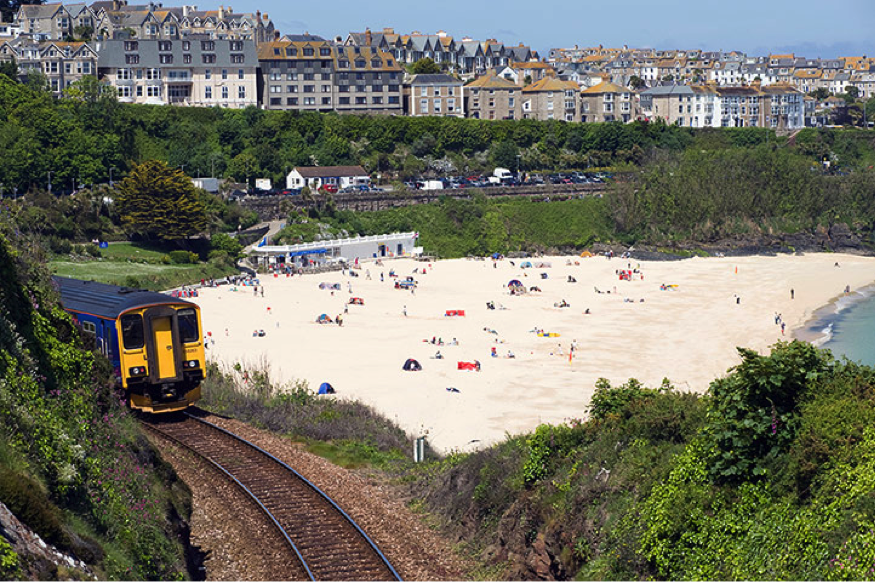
[{"x": 852, "y": 333}]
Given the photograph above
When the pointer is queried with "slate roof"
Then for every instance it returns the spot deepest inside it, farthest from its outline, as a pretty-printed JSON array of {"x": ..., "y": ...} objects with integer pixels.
[
  {"x": 434, "y": 80},
  {"x": 112, "y": 54},
  {"x": 330, "y": 171}
]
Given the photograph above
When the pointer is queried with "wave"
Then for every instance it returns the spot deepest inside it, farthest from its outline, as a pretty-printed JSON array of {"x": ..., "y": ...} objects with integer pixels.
[{"x": 819, "y": 329}]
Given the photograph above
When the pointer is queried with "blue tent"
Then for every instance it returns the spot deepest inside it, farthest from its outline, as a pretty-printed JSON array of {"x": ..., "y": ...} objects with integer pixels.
[
  {"x": 496, "y": 255},
  {"x": 326, "y": 388},
  {"x": 525, "y": 265}
]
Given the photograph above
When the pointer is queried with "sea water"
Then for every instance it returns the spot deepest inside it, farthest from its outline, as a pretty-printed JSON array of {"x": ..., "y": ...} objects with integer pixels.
[
  {"x": 846, "y": 327},
  {"x": 852, "y": 334}
]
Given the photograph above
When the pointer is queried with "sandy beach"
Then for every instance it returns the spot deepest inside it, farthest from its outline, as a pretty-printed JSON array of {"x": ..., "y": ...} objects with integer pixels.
[{"x": 686, "y": 333}]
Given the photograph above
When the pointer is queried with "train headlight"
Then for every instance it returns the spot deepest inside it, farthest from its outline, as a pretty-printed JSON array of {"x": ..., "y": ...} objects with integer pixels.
[
  {"x": 137, "y": 371},
  {"x": 192, "y": 364}
]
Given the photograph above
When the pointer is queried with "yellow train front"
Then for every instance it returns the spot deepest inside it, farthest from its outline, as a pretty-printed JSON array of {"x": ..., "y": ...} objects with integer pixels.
[{"x": 153, "y": 341}]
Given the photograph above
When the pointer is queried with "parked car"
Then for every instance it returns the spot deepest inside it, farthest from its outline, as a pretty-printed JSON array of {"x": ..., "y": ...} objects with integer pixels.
[
  {"x": 290, "y": 192},
  {"x": 330, "y": 188}
]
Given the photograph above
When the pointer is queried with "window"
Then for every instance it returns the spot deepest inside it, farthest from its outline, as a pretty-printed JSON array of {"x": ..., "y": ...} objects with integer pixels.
[
  {"x": 225, "y": 92},
  {"x": 308, "y": 76},
  {"x": 208, "y": 59},
  {"x": 208, "y": 45},
  {"x": 393, "y": 99},
  {"x": 361, "y": 100},
  {"x": 343, "y": 64},
  {"x": 187, "y": 45},
  {"x": 344, "y": 100},
  {"x": 132, "y": 59},
  {"x": 291, "y": 76},
  {"x": 436, "y": 105},
  {"x": 236, "y": 45},
  {"x": 188, "y": 325},
  {"x": 291, "y": 88},
  {"x": 187, "y": 59},
  {"x": 124, "y": 91},
  {"x": 326, "y": 88},
  {"x": 153, "y": 74},
  {"x": 164, "y": 46},
  {"x": 208, "y": 74},
  {"x": 309, "y": 88},
  {"x": 377, "y": 88},
  {"x": 437, "y": 91},
  {"x": 360, "y": 64},
  {"x": 139, "y": 90},
  {"x": 424, "y": 91},
  {"x": 310, "y": 100},
  {"x": 308, "y": 52},
  {"x": 326, "y": 100},
  {"x": 241, "y": 92},
  {"x": 377, "y": 100},
  {"x": 393, "y": 88},
  {"x": 424, "y": 106},
  {"x": 132, "y": 331},
  {"x": 68, "y": 68},
  {"x": 343, "y": 88},
  {"x": 291, "y": 100},
  {"x": 165, "y": 59},
  {"x": 153, "y": 91},
  {"x": 276, "y": 89},
  {"x": 208, "y": 92},
  {"x": 276, "y": 101},
  {"x": 290, "y": 52},
  {"x": 131, "y": 45},
  {"x": 325, "y": 52},
  {"x": 510, "y": 101},
  {"x": 274, "y": 76},
  {"x": 224, "y": 74},
  {"x": 237, "y": 59},
  {"x": 451, "y": 104}
]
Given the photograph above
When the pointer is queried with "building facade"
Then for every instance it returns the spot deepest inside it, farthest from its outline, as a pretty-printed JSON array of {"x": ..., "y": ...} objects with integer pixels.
[
  {"x": 204, "y": 73},
  {"x": 551, "y": 98},
  {"x": 367, "y": 80},
  {"x": 492, "y": 97},
  {"x": 439, "y": 95},
  {"x": 314, "y": 177},
  {"x": 297, "y": 73},
  {"x": 608, "y": 102}
]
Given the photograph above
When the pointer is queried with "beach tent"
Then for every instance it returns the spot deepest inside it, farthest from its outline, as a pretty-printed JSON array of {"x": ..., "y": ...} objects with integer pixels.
[
  {"x": 542, "y": 265},
  {"x": 514, "y": 283},
  {"x": 454, "y": 313},
  {"x": 586, "y": 254},
  {"x": 335, "y": 286},
  {"x": 525, "y": 265},
  {"x": 323, "y": 319},
  {"x": 496, "y": 255},
  {"x": 412, "y": 365},
  {"x": 357, "y": 301},
  {"x": 467, "y": 366},
  {"x": 326, "y": 388}
]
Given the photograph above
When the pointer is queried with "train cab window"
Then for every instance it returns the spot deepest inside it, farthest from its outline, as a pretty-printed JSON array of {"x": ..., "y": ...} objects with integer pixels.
[
  {"x": 188, "y": 325},
  {"x": 132, "y": 331},
  {"x": 89, "y": 328}
]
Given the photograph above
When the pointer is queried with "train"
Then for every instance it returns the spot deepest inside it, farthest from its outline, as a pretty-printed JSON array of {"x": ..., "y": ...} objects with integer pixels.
[{"x": 153, "y": 341}]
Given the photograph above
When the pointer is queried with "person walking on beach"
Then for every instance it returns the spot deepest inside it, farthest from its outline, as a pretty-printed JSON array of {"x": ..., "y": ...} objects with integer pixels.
[
  {"x": 405, "y": 310},
  {"x": 792, "y": 293},
  {"x": 262, "y": 290},
  {"x": 783, "y": 328}
]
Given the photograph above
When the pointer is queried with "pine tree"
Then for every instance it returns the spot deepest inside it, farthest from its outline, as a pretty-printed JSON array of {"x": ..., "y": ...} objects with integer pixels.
[{"x": 156, "y": 201}]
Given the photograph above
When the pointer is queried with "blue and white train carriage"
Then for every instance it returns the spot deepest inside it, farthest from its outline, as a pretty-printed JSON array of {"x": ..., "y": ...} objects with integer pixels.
[{"x": 153, "y": 341}]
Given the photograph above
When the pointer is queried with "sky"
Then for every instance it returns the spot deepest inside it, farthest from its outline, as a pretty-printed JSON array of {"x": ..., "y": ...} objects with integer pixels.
[{"x": 810, "y": 28}]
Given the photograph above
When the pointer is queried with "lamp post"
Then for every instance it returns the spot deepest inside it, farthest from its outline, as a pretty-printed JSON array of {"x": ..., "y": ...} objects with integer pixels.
[{"x": 50, "y": 182}]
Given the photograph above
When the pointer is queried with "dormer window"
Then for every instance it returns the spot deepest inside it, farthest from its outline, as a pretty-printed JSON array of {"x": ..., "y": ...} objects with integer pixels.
[
  {"x": 131, "y": 45},
  {"x": 308, "y": 52},
  {"x": 291, "y": 52},
  {"x": 325, "y": 52},
  {"x": 360, "y": 64}
]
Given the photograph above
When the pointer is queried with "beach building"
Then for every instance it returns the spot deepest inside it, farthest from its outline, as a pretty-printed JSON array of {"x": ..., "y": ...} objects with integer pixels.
[
  {"x": 315, "y": 177},
  {"x": 397, "y": 244}
]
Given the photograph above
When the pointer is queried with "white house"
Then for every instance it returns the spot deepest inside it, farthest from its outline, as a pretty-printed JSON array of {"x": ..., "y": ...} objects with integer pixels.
[
  {"x": 318, "y": 176},
  {"x": 363, "y": 248}
]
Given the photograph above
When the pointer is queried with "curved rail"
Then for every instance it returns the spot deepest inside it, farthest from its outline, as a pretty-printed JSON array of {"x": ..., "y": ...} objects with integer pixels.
[
  {"x": 295, "y": 505},
  {"x": 245, "y": 489},
  {"x": 313, "y": 487}
]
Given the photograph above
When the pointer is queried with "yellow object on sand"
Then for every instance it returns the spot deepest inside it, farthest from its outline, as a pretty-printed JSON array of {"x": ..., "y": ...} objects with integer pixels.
[{"x": 586, "y": 254}]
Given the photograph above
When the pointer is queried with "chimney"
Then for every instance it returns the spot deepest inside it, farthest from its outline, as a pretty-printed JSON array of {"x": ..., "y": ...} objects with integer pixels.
[
  {"x": 116, "y": 5},
  {"x": 264, "y": 16},
  {"x": 368, "y": 37},
  {"x": 276, "y": 35},
  {"x": 221, "y": 12},
  {"x": 388, "y": 31}
]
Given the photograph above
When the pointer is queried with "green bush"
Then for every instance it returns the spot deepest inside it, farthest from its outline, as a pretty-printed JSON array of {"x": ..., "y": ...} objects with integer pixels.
[
  {"x": 26, "y": 499},
  {"x": 183, "y": 257}
]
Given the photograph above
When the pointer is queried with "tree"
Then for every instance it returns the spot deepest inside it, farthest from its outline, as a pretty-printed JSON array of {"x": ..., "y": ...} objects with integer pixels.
[
  {"x": 636, "y": 83},
  {"x": 821, "y": 94},
  {"x": 851, "y": 93},
  {"x": 527, "y": 80},
  {"x": 89, "y": 90},
  {"x": 83, "y": 32},
  {"x": 10, "y": 69},
  {"x": 504, "y": 155},
  {"x": 425, "y": 67},
  {"x": 668, "y": 77},
  {"x": 8, "y": 8},
  {"x": 156, "y": 201}
]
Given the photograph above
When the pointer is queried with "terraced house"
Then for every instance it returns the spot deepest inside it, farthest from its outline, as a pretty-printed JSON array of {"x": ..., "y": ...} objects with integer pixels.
[
  {"x": 551, "y": 98},
  {"x": 297, "y": 73},
  {"x": 492, "y": 97},
  {"x": 608, "y": 102},
  {"x": 439, "y": 95},
  {"x": 205, "y": 73},
  {"x": 367, "y": 80},
  {"x": 63, "y": 63},
  {"x": 54, "y": 21}
]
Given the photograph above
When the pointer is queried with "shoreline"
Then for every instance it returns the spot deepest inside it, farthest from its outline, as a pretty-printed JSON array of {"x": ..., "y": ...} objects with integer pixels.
[
  {"x": 818, "y": 329},
  {"x": 680, "y": 320}
]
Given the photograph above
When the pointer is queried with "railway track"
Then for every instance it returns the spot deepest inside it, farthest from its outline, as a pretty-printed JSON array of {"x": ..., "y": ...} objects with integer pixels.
[{"x": 325, "y": 541}]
